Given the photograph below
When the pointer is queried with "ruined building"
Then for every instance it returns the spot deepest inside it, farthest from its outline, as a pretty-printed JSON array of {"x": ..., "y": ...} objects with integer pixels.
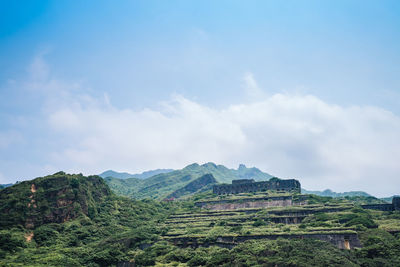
[
  {"x": 385, "y": 207},
  {"x": 249, "y": 185}
]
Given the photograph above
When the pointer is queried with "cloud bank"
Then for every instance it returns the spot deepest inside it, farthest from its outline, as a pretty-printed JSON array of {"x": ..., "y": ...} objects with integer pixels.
[
  {"x": 299, "y": 136},
  {"x": 291, "y": 136}
]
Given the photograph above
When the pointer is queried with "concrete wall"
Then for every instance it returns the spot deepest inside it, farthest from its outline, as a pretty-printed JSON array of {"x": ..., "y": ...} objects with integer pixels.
[
  {"x": 249, "y": 205},
  {"x": 249, "y": 186},
  {"x": 382, "y": 207},
  {"x": 245, "y": 203},
  {"x": 342, "y": 241},
  {"x": 385, "y": 207},
  {"x": 396, "y": 203}
]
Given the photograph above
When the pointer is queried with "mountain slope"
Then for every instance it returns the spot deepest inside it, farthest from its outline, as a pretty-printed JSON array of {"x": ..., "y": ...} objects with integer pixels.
[
  {"x": 161, "y": 185},
  {"x": 5, "y": 185},
  {"x": 125, "y": 175},
  {"x": 200, "y": 184},
  {"x": 73, "y": 220},
  {"x": 52, "y": 199}
]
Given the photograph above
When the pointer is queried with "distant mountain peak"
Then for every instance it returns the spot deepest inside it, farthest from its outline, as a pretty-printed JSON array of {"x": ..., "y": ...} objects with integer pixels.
[
  {"x": 125, "y": 175},
  {"x": 241, "y": 167},
  {"x": 210, "y": 164},
  {"x": 192, "y": 166}
]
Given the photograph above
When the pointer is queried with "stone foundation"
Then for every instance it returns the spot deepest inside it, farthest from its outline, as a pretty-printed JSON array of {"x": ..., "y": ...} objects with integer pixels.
[
  {"x": 342, "y": 241},
  {"x": 249, "y": 185}
]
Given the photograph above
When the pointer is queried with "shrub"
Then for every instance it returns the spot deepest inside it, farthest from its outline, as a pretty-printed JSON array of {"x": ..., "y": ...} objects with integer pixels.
[{"x": 259, "y": 222}]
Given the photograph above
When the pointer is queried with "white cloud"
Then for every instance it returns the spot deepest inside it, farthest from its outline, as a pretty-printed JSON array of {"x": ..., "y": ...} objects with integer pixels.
[
  {"x": 253, "y": 91},
  {"x": 300, "y": 136},
  {"x": 290, "y": 136}
]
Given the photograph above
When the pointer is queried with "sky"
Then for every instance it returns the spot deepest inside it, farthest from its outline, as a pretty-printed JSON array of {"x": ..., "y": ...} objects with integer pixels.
[{"x": 299, "y": 89}]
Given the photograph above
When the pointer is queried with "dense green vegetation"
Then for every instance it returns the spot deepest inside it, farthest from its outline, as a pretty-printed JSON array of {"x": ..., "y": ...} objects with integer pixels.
[
  {"x": 78, "y": 221},
  {"x": 53, "y": 198},
  {"x": 98, "y": 232}
]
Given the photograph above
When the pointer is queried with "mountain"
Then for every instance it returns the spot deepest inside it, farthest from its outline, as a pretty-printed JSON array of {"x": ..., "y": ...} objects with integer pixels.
[
  {"x": 198, "y": 185},
  {"x": 5, "y": 185},
  {"x": 161, "y": 185},
  {"x": 73, "y": 220},
  {"x": 51, "y": 199},
  {"x": 125, "y": 175},
  {"x": 330, "y": 193}
]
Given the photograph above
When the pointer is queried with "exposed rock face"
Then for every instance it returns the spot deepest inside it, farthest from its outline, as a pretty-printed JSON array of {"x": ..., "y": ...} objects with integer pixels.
[
  {"x": 52, "y": 199},
  {"x": 200, "y": 184},
  {"x": 249, "y": 185}
]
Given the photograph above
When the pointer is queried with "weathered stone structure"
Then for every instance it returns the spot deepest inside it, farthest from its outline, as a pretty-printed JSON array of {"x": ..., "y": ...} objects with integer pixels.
[
  {"x": 340, "y": 240},
  {"x": 249, "y": 185},
  {"x": 396, "y": 203},
  {"x": 385, "y": 207},
  {"x": 251, "y": 203}
]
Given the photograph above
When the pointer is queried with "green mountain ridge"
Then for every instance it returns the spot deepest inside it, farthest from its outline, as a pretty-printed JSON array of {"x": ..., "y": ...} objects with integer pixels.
[
  {"x": 125, "y": 175},
  {"x": 161, "y": 185}
]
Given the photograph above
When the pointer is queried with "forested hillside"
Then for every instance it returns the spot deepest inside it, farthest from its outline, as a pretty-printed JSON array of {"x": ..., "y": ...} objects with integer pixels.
[{"x": 74, "y": 220}]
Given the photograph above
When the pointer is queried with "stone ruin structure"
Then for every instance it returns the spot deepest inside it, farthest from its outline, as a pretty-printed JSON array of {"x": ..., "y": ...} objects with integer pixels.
[
  {"x": 385, "y": 207},
  {"x": 249, "y": 185}
]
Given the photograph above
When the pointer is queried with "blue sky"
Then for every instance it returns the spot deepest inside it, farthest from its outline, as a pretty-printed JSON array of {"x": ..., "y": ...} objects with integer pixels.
[{"x": 302, "y": 89}]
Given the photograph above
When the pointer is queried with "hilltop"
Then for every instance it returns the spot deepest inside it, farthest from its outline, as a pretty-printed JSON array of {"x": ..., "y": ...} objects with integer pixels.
[
  {"x": 51, "y": 199},
  {"x": 162, "y": 185},
  {"x": 73, "y": 220},
  {"x": 125, "y": 175}
]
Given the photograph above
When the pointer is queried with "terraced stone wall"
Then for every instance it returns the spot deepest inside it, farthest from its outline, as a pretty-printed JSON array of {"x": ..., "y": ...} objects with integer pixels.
[
  {"x": 342, "y": 241},
  {"x": 249, "y": 186},
  {"x": 246, "y": 203}
]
